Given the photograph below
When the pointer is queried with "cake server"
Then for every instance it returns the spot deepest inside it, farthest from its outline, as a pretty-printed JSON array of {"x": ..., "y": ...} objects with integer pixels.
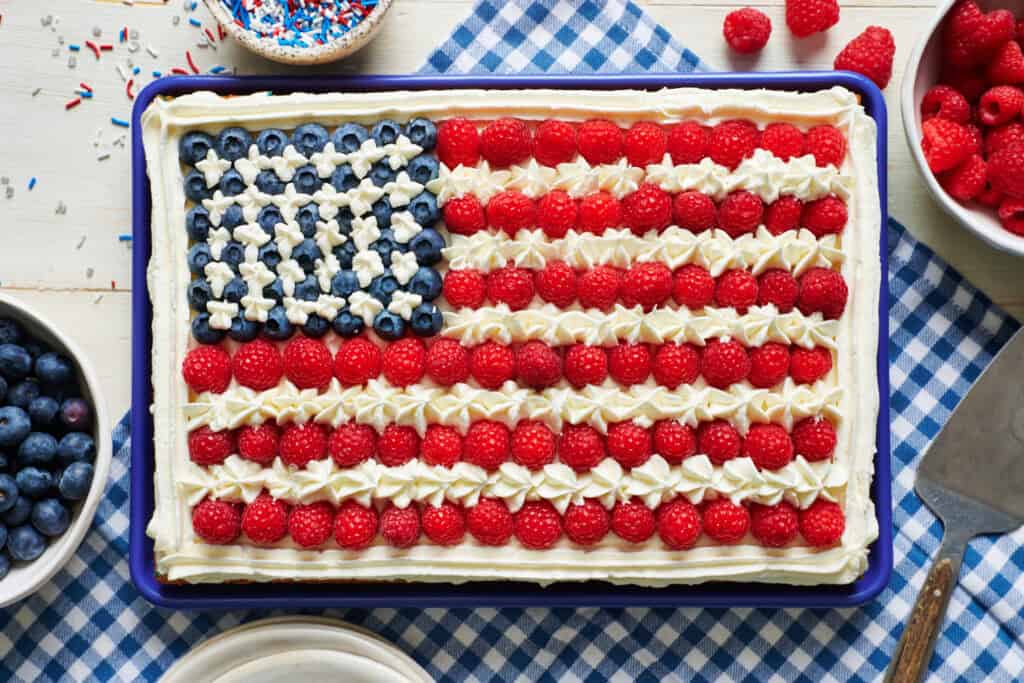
[{"x": 972, "y": 478}]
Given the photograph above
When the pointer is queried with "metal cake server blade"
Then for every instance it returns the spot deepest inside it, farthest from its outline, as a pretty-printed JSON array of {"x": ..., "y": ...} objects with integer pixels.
[{"x": 972, "y": 478}]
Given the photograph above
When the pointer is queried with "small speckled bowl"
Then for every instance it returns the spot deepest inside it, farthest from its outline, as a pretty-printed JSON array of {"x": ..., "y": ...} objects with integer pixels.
[{"x": 332, "y": 51}]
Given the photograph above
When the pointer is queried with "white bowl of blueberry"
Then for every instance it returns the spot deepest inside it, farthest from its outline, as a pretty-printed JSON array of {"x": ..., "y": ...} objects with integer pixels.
[{"x": 54, "y": 449}]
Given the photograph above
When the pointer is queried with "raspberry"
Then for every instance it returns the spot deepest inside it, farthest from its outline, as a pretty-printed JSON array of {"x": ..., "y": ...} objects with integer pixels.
[
  {"x": 674, "y": 441},
  {"x": 487, "y": 444},
  {"x": 585, "y": 365},
  {"x": 804, "y": 17},
  {"x": 769, "y": 446},
  {"x": 945, "y": 144},
  {"x": 675, "y": 364},
  {"x": 1007, "y": 68},
  {"x": 694, "y": 211},
  {"x": 725, "y": 521},
  {"x": 444, "y": 524},
  {"x": 492, "y": 364},
  {"x": 537, "y": 525},
  {"x": 747, "y": 30},
  {"x": 555, "y": 143},
  {"x": 511, "y": 211},
  {"x": 302, "y": 443},
  {"x": 632, "y": 521},
  {"x": 490, "y": 522},
  {"x": 773, "y": 526},
  {"x": 311, "y": 525},
  {"x": 308, "y": 363},
  {"x": 258, "y": 442},
  {"x": 969, "y": 82},
  {"x": 740, "y": 213},
  {"x": 1003, "y": 136},
  {"x": 464, "y": 215},
  {"x": 556, "y": 283},
  {"x": 629, "y": 444},
  {"x": 783, "y": 140},
  {"x": 258, "y": 365},
  {"x": 458, "y": 142},
  {"x": 599, "y": 141},
  {"x": 216, "y": 522},
  {"x": 822, "y": 524},
  {"x": 769, "y": 365},
  {"x": 724, "y": 363},
  {"x": 977, "y": 139},
  {"x": 694, "y": 287},
  {"x": 357, "y": 362},
  {"x": 778, "y": 288},
  {"x": 533, "y": 444},
  {"x": 207, "y": 368},
  {"x": 598, "y": 212},
  {"x": 441, "y": 446},
  {"x": 629, "y": 363},
  {"x": 972, "y": 37},
  {"x": 720, "y": 441},
  {"x": 538, "y": 364},
  {"x": 355, "y": 526},
  {"x": 649, "y": 208},
  {"x": 465, "y": 288},
  {"x": 688, "y": 142},
  {"x": 645, "y": 143},
  {"x": 825, "y": 216},
  {"x": 265, "y": 520},
  {"x": 871, "y": 54},
  {"x": 807, "y": 366},
  {"x": 814, "y": 438},
  {"x": 827, "y": 145},
  {"x": 586, "y": 523},
  {"x": 207, "y": 447},
  {"x": 649, "y": 283},
  {"x": 966, "y": 181},
  {"x": 447, "y": 362},
  {"x": 1000, "y": 105},
  {"x": 351, "y": 444},
  {"x": 730, "y": 142},
  {"x": 1005, "y": 169},
  {"x": 505, "y": 142},
  {"x": 404, "y": 362},
  {"x": 580, "y": 447},
  {"x": 679, "y": 524},
  {"x": 397, "y": 445},
  {"x": 783, "y": 214},
  {"x": 556, "y": 213},
  {"x": 736, "y": 289},
  {"x": 512, "y": 286},
  {"x": 599, "y": 287},
  {"x": 400, "y": 527},
  {"x": 945, "y": 102},
  {"x": 822, "y": 290},
  {"x": 1011, "y": 215},
  {"x": 989, "y": 197}
]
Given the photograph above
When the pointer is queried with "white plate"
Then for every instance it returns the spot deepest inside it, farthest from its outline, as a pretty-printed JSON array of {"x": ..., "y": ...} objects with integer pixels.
[{"x": 296, "y": 648}]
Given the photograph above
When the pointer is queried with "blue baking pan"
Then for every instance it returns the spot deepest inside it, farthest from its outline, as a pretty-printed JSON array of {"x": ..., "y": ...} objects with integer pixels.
[{"x": 478, "y": 594}]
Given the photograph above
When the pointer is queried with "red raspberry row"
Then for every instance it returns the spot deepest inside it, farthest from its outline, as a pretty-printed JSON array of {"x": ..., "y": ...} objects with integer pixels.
[
  {"x": 649, "y": 284},
  {"x": 508, "y": 141},
  {"x": 648, "y": 208},
  {"x": 537, "y": 525}
]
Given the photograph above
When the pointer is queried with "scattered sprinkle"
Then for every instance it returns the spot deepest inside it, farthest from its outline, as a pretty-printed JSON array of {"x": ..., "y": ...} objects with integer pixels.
[
  {"x": 209, "y": 34},
  {"x": 152, "y": 51},
  {"x": 175, "y": 20},
  {"x": 97, "y": 32},
  {"x": 124, "y": 238},
  {"x": 217, "y": 69},
  {"x": 128, "y": 89},
  {"x": 194, "y": 21},
  {"x": 71, "y": 104},
  {"x": 74, "y": 48},
  {"x": 61, "y": 209},
  {"x": 106, "y": 47},
  {"x": 36, "y": 91},
  {"x": 136, "y": 70},
  {"x": 121, "y": 71},
  {"x": 103, "y": 156},
  {"x": 156, "y": 74},
  {"x": 94, "y": 47},
  {"x": 72, "y": 62},
  {"x": 113, "y": 284},
  {"x": 85, "y": 86},
  {"x": 134, "y": 34},
  {"x": 119, "y": 122},
  {"x": 32, "y": 182},
  {"x": 84, "y": 94},
  {"x": 133, "y": 46},
  {"x": 191, "y": 62},
  {"x": 81, "y": 242},
  {"x": 9, "y": 192},
  {"x": 99, "y": 297},
  {"x": 5, "y": 180},
  {"x": 178, "y": 71}
]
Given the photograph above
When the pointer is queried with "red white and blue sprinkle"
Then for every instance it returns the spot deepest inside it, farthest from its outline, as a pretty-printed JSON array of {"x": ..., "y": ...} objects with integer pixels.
[
  {"x": 299, "y": 23},
  {"x": 119, "y": 122}
]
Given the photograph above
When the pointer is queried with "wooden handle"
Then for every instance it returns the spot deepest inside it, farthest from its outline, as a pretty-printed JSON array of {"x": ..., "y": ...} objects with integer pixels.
[{"x": 911, "y": 661}]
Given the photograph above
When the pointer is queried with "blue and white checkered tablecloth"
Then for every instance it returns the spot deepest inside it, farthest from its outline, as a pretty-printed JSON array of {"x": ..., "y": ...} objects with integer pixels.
[{"x": 90, "y": 623}]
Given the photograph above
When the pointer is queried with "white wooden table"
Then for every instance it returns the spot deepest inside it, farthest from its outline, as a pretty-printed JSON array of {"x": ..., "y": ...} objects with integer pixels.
[{"x": 84, "y": 285}]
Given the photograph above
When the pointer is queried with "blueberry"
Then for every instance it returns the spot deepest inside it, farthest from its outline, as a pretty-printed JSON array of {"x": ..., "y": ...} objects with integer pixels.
[
  {"x": 345, "y": 253},
  {"x": 381, "y": 173},
  {"x": 10, "y": 331},
  {"x": 344, "y": 178},
  {"x": 19, "y": 512},
  {"x": 202, "y": 331},
  {"x": 198, "y": 256},
  {"x": 427, "y": 246},
  {"x": 423, "y": 208},
  {"x": 268, "y": 217},
  {"x": 197, "y": 224},
  {"x": 344, "y": 283},
  {"x": 235, "y": 290},
  {"x": 346, "y": 324},
  {"x": 233, "y": 254},
  {"x": 53, "y": 368},
  {"x": 422, "y": 169},
  {"x": 243, "y": 330},
  {"x": 15, "y": 362},
  {"x": 426, "y": 320},
  {"x": 23, "y": 393},
  {"x": 8, "y": 492},
  {"x": 307, "y": 180},
  {"x": 25, "y": 544},
  {"x": 349, "y": 137},
  {"x": 382, "y": 212},
  {"x": 231, "y": 183},
  {"x": 233, "y": 143},
  {"x": 385, "y": 244},
  {"x": 385, "y": 132},
  {"x": 5, "y": 566},
  {"x": 308, "y": 289},
  {"x": 267, "y": 181},
  {"x": 422, "y": 132},
  {"x": 3, "y": 536},
  {"x": 307, "y": 217},
  {"x": 50, "y": 517},
  {"x": 199, "y": 293},
  {"x": 344, "y": 220},
  {"x": 76, "y": 447},
  {"x": 277, "y": 327},
  {"x": 275, "y": 291},
  {"x": 15, "y": 425},
  {"x": 388, "y": 326},
  {"x": 194, "y": 146},
  {"x": 3, "y": 389},
  {"x": 35, "y": 349},
  {"x": 33, "y": 482},
  {"x": 427, "y": 283},
  {"x": 75, "y": 413},
  {"x": 75, "y": 480},
  {"x": 306, "y": 253},
  {"x": 38, "y": 448},
  {"x": 309, "y": 138},
  {"x": 272, "y": 142},
  {"x": 269, "y": 255},
  {"x": 195, "y": 187},
  {"x": 5, "y": 463},
  {"x": 315, "y": 327},
  {"x": 43, "y": 411},
  {"x": 232, "y": 217},
  {"x": 382, "y": 287}
]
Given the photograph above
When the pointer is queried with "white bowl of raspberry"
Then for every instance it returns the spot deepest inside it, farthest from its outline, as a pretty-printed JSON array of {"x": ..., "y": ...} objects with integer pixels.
[{"x": 958, "y": 126}]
